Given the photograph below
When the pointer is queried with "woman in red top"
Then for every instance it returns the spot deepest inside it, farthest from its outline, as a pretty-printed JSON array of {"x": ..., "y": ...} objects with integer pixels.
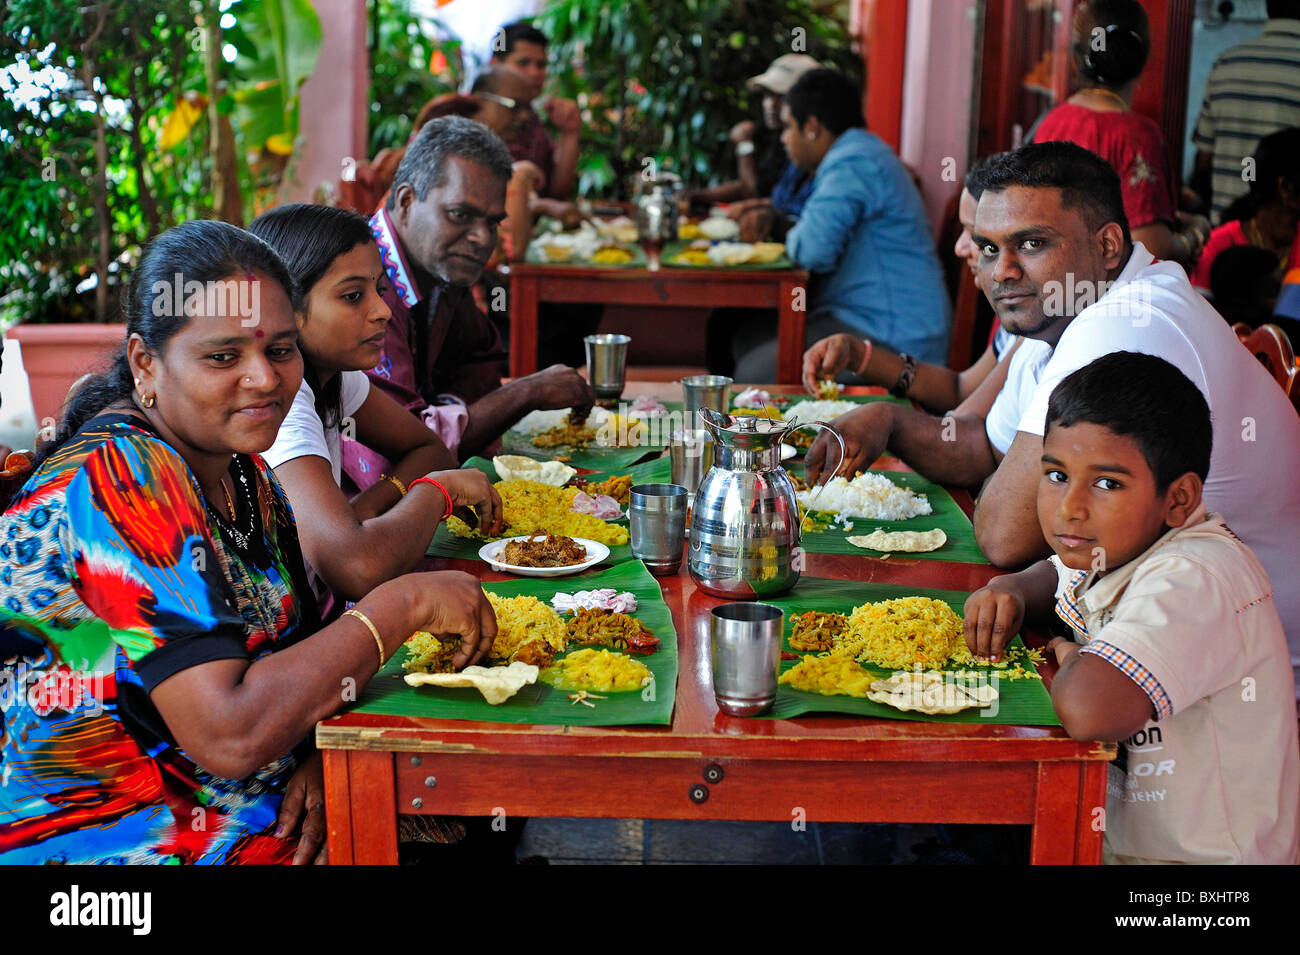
[{"x": 1111, "y": 42}]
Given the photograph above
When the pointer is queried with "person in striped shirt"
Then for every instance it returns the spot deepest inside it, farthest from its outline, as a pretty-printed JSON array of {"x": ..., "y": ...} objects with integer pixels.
[{"x": 1253, "y": 90}]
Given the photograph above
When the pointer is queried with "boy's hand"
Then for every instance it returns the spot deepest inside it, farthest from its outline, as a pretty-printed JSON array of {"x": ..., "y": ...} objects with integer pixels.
[
  {"x": 993, "y": 616},
  {"x": 1063, "y": 648}
]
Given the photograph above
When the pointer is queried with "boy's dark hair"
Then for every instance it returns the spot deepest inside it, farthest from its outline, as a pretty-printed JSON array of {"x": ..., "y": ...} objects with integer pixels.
[
  {"x": 1086, "y": 181},
  {"x": 424, "y": 165},
  {"x": 512, "y": 34},
  {"x": 830, "y": 96},
  {"x": 1147, "y": 399}
]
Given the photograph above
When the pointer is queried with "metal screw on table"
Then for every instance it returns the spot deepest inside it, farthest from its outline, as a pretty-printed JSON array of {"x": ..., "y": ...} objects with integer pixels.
[
  {"x": 713, "y": 773},
  {"x": 698, "y": 793},
  {"x": 431, "y": 781},
  {"x": 417, "y": 803},
  {"x": 415, "y": 760}
]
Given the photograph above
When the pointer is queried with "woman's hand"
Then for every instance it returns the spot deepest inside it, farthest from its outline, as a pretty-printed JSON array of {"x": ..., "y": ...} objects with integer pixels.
[
  {"x": 304, "y": 804},
  {"x": 471, "y": 488},
  {"x": 454, "y": 604}
]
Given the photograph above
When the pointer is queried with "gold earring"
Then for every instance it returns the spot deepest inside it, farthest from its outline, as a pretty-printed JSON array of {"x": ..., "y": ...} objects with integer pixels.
[{"x": 148, "y": 401}]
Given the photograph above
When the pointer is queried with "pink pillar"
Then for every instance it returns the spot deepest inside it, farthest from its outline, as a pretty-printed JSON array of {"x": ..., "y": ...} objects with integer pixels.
[
  {"x": 335, "y": 100},
  {"x": 938, "y": 98}
]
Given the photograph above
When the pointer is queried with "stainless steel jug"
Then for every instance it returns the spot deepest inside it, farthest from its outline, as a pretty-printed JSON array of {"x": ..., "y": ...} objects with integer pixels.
[{"x": 745, "y": 519}]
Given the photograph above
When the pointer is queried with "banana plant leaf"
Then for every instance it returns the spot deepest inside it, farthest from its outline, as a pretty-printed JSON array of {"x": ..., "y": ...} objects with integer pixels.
[
  {"x": 947, "y": 515},
  {"x": 1022, "y": 702},
  {"x": 676, "y": 247},
  {"x": 388, "y": 693},
  {"x": 447, "y": 544}
]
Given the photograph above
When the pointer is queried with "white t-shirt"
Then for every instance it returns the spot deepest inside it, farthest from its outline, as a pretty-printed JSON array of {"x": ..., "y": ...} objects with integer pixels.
[
  {"x": 1152, "y": 308},
  {"x": 1215, "y": 778},
  {"x": 304, "y": 433}
]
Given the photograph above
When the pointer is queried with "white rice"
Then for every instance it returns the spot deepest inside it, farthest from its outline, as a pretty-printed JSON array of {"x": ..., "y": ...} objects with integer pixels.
[
  {"x": 807, "y": 411},
  {"x": 870, "y": 496},
  {"x": 535, "y": 422}
]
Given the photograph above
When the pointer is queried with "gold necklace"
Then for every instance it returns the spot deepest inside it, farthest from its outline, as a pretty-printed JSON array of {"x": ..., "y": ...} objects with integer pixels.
[
  {"x": 230, "y": 501},
  {"x": 1096, "y": 90}
]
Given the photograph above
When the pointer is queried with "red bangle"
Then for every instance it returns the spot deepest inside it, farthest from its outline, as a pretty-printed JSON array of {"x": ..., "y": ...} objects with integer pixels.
[{"x": 445, "y": 493}]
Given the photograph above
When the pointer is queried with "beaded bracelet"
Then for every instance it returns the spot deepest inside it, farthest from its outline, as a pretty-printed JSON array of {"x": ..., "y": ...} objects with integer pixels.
[
  {"x": 445, "y": 493},
  {"x": 401, "y": 488}
]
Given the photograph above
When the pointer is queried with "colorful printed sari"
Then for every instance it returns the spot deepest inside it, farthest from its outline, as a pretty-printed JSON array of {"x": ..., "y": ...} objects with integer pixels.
[{"x": 114, "y": 576}]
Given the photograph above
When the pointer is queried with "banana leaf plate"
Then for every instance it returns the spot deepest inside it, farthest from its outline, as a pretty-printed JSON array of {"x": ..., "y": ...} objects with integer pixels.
[
  {"x": 947, "y": 515},
  {"x": 540, "y": 703},
  {"x": 447, "y": 544},
  {"x": 1021, "y": 702}
]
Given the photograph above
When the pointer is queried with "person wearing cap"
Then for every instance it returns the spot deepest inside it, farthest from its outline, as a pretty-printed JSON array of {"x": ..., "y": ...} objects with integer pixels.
[{"x": 771, "y": 190}]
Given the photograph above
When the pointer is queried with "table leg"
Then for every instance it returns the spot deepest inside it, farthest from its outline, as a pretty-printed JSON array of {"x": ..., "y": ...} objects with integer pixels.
[
  {"x": 523, "y": 325},
  {"x": 338, "y": 815},
  {"x": 1067, "y": 828},
  {"x": 791, "y": 309},
  {"x": 372, "y": 802}
]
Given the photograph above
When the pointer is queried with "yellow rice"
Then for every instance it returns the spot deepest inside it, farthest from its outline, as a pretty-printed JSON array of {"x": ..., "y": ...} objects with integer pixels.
[
  {"x": 521, "y": 620},
  {"x": 904, "y": 633},
  {"x": 530, "y": 508},
  {"x": 598, "y": 671},
  {"x": 828, "y": 675}
]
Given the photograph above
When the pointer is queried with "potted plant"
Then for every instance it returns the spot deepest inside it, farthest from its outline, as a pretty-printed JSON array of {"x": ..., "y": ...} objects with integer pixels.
[{"x": 120, "y": 119}]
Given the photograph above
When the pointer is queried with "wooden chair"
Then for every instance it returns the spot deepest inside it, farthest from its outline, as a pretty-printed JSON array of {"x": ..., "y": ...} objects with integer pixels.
[{"x": 1270, "y": 345}]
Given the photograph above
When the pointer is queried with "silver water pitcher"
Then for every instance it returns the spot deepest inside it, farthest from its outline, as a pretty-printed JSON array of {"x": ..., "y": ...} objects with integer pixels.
[{"x": 745, "y": 519}]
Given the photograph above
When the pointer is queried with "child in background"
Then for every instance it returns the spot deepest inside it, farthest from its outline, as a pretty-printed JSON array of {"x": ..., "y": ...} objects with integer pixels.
[{"x": 1179, "y": 653}]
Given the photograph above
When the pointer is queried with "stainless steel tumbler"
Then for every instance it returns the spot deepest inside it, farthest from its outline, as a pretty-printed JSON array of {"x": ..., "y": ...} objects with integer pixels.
[
  {"x": 746, "y": 643},
  {"x": 657, "y": 526}
]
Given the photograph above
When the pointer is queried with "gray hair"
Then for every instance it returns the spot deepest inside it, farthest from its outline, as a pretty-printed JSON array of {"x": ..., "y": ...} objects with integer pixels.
[{"x": 424, "y": 166}]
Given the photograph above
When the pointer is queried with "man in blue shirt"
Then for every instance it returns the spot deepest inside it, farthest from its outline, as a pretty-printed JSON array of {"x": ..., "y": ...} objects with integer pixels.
[{"x": 863, "y": 234}]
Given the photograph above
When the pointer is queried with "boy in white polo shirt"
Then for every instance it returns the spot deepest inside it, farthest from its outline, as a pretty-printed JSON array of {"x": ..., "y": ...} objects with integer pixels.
[{"x": 1180, "y": 655}]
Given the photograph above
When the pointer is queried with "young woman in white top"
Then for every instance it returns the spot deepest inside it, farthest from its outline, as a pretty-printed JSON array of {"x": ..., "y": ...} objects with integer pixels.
[{"x": 354, "y": 545}]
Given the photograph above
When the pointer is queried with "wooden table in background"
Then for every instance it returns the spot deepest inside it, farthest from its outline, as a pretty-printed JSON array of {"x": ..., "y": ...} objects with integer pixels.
[
  {"x": 707, "y": 765},
  {"x": 783, "y": 290}
]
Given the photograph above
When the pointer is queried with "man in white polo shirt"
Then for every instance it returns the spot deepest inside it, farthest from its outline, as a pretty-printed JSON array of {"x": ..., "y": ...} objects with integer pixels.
[{"x": 1059, "y": 266}]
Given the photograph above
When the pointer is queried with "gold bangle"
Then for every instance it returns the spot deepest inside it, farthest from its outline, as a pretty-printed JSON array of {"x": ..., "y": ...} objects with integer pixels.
[
  {"x": 371, "y": 627},
  {"x": 401, "y": 488}
]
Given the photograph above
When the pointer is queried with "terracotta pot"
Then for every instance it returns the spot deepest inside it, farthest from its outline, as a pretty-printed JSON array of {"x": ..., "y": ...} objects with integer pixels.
[{"x": 55, "y": 356}]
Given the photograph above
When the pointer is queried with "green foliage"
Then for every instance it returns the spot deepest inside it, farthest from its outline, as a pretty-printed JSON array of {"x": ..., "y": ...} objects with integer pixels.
[
  {"x": 143, "y": 57},
  {"x": 400, "y": 81},
  {"x": 666, "y": 78}
]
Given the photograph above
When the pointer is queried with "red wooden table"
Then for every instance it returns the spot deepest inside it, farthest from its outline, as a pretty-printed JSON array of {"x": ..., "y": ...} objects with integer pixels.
[
  {"x": 708, "y": 765},
  {"x": 783, "y": 290}
]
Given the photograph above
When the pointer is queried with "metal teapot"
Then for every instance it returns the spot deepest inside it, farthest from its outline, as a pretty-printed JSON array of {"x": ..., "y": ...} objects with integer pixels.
[
  {"x": 656, "y": 207},
  {"x": 745, "y": 520}
]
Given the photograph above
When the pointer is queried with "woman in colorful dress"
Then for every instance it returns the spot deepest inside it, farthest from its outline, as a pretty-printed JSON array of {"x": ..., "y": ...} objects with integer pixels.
[{"x": 161, "y": 666}]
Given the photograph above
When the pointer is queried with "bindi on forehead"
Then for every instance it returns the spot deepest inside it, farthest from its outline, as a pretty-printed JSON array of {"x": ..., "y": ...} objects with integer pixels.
[{"x": 259, "y": 333}]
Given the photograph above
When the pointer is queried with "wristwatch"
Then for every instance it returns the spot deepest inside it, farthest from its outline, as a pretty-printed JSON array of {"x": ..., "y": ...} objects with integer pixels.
[{"x": 904, "y": 377}]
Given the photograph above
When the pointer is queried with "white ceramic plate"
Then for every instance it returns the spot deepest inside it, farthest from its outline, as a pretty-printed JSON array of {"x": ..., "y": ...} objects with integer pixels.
[{"x": 596, "y": 552}]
